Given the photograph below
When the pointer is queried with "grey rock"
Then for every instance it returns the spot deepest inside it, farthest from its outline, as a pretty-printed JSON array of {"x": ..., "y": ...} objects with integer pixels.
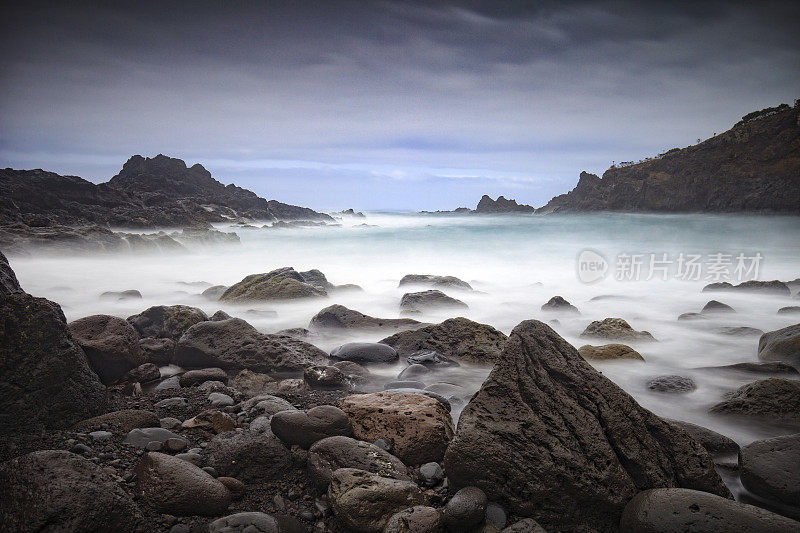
[
  {"x": 304, "y": 428},
  {"x": 141, "y": 437},
  {"x": 158, "y": 350},
  {"x": 143, "y": 374},
  {"x": 496, "y": 515},
  {"x": 781, "y": 345},
  {"x": 340, "y": 317},
  {"x": 429, "y": 301},
  {"x": 218, "y": 399},
  {"x": 466, "y": 509},
  {"x": 414, "y": 371},
  {"x": 172, "y": 383},
  {"x": 166, "y": 321},
  {"x": 771, "y": 468},
  {"x": 739, "y": 331},
  {"x": 527, "y": 525},
  {"x": 329, "y": 454},
  {"x": 323, "y": 377},
  {"x": 417, "y": 519},
  {"x": 675, "y": 384},
  {"x": 431, "y": 474},
  {"x": 196, "y": 377},
  {"x": 256, "y": 522},
  {"x": 430, "y": 359},
  {"x": 248, "y": 455},
  {"x": 365, "y": 353},
  {"x": 615, "y": 329},
  {"x": 557, "y": 304},
  {"x": 214, "y": 293},
  {"x": 436, "y": 282},
  {"x": 176, "y": 402},
  {"x": 121, "y": 421},
  {"x": 110, "y": 343},
  {"x": 713, "y": 442},
  {"x": 714, "y": 306},
  {"x": 404, "y": 384},
  {"x": 776, "y": 399}
]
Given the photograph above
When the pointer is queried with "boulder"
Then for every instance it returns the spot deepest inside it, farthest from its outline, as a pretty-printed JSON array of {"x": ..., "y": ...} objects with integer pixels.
[
  {"x": 768, "y": 287},
  {"x": 201, "y": 375},
  {"x": 130, "y": 294},
  {"x": 557, "y": 304},
  {"x": 213, "y": 420},
  {"x": 214, "y": 292},
  {"x": 55, "y": 490},
  {"x": 674, "y": 509},
  {"x": 458, "y": 338},
  {"x": 615, "y": 329},
  {"x": 672, "y": 383},
  {"x": 158, "y": 350},
  {"x": 235, "y": 345},
  {"x": 692, "y": 316},
  {"x": 608, "y": 352},
  {"x": 774, "y": 399},
  {"x": 771, "y": 468},
  {"x": 419, "y": 519},
  {"x": 436, "y": 282},
  {"x": 757, "y": 368},
  {"x": 177, "y": 487},
  {"x": 781, "y": 345},
  {"x": 256, "y": 522},
  {"x": 166, "y": 321},
  {"x": 418, "y": 427},
  {"x": 354, "y": 372},
  {"x": 45, "y": 377},
  {"x": 414, "y": 371},
  {"x": 265, "y": 405},
  {"x": 714, "y": 306},
  {"x": 789, "y": 310},
  {"x": 249, "y": 383},
  {"x": 431, "y": 474},
  {"x": 466, "y": 509},
  {"x": 548, "y": 436},
  {"x": 430, "y": 359},
  {"x": 713, "y": 442},
  {"x": 304, "y": 428},
  {"x": 143, "y": 374},
  {"x": 280, "y": 284},
  {"x": 219, "y": 315},
  {"x": 363, "y": 502},
  {"x": 340, "y": 317},
  {"x": 365, "y": 352},
  {"x": 403, "y": 384},
  {"x": 332, "y": 453},
  {"x": 119, "y": 421},
  {"x": 429, "y": 301},
  {"x": 248, "y": 455},
  {"x": 322, "y": 377},
  {"x": 110, "y": 343}
]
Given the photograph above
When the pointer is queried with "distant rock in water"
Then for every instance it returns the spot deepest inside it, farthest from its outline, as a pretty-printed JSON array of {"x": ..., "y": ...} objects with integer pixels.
[
  {"x": 437, "y": 282},
  {"x": 429, "y": 301},
  {"x": 767, "y": 287},
  {"x": 280, "y": 284},
  {"x": 751, "y": 167},
  {"x": 340, "y": 317},
  {"x": 501, "y": 205}
]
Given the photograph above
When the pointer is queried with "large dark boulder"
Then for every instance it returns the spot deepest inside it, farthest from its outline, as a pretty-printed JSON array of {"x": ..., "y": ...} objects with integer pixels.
[
  {"x": 55, "y": 490},
  {"x": 773, "y": 399},
  {"x": 248, "y": 455},
  {"x": 45, "y": 378},
  {"x": 340, "y": 317},
  {"x": 332, "y": 453},
  {"x": 110, "y": 343},
  {"x": 781, "y": 345},
  {"x": 771, "y": 468},
  {"x": 234, "y": 345},
  {"x": 457, "y": 338},
  {"x": 550, "y": 437},
  {"x": 280, "y": 284},
  {"x": 166, "y": 321}
]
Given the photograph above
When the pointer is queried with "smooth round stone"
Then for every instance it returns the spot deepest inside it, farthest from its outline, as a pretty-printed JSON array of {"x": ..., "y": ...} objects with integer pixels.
[
  {"x": 414, "y": 371},
  {"x": 770, "y": 468},
  {"x": 141, "y": 437},
  {"x": 466, "y": 509},
  {"x": 175, "y": 445},
  {"x": 431, "y": 474},
  {"x": 409, "y": 384},
  {"x": 672, "y": 384},
  {"x": 211, "y": 386},
  {"x": 417, "y": 519},
  {"x": 172, "y": 383},
  {"x": 100, "y": 436},
  {"x": 430, "y": 358},
  {"x": 170, "y": 423},
  {"x": 365, "y": 352},
  {"x": 496, "y": 515},
  {"x": 218, "y": 399}
]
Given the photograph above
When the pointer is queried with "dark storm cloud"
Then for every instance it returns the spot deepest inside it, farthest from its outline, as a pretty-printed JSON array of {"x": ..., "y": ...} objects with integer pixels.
[{"x": 310, "y": 101}]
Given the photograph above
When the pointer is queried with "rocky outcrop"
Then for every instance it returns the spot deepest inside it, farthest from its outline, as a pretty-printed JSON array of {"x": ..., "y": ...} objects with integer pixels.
[
  {"x": 330, "y": 454},
  {"x": 458, "y": 338},
  {"x": 550, "y": 437},
  {"x": 166, "y": 321},
  {"x": 781, "y": 345},
  {"x": 110, "y": 343},
  {"x": 340, "y": 317},
  {"x": 751, "y": 167},
  {"x": 775, "y": 286},
  {"x": 280, "y": 284},
  {"x": 235, "y": 345},
  {"x": 45, "y": 377},
  {"x": 501, "y": 205},
  {"x": 774, "y": 399},
  {"x": 148, "y": 192},
  {"x": 615, "y": 329}
]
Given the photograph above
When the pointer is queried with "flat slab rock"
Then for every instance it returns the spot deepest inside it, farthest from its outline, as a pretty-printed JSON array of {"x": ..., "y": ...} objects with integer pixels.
[{"x": 549, "y": 437}]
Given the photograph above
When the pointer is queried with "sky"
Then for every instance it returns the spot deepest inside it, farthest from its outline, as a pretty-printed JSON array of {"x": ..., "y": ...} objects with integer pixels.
[{"x": 384, "y": 105}]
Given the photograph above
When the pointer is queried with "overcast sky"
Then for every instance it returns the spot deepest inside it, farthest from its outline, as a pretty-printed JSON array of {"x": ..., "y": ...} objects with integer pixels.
[{"x": 385, "y": 105}]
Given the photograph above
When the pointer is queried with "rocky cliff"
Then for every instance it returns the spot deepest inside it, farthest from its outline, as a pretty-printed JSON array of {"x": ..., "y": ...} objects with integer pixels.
[
  {"x": 148, "y": 192},
  {"x": 754, "y": 166},
  {"x": 501, "y": 205}
]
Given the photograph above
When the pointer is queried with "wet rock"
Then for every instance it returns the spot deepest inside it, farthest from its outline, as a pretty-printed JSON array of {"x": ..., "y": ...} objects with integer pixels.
[
  {"x": 120, "y": 422},
  {"x": 781, "y": 345},
  {"x": 256, "y": 522},
  {"x": 430, "y": 394},
  {"x": 363, "y": 502},
  {"x": 771, "y": 468},
  {"x": 457, "y": 338},
  {"x": 557, "y": 304},
  {"x": 775, "y": 399},
  {"x": 212, "y": 419},
  {"x": 404, "y": 384},
  {"x": 789, "y": 310},
  {"x": 414, "y": 371},
  {"x": 609, "y": 352},
  {"x": 280, "y": 284},
  {"x": 178, "y": 487},
  {"x": 217, "y": 399},
  {"x": 235, "y": 345},
  {"x": 550, "y": 436},
  {"x": 767, "y": 287},
  {"x": 616, "y": 329},
  {"x": 248, "y": 455},
  {"x": 437, "y": 282},
  {"x": 143, "y": 374},
  {"x": 419, "y": 519},
  {"x": 214, "y": 293},
  {"x": 365, "y": 353},
  {"x": 714, "y": 306},
  {"x": 757, "y": 368},
  {"x": 692, "y": 316},
  {"x": 265, "y": 405},
  {"x": 172, "y": 383},
  {"x": 55, "y": 490},
  {"x": 430, "y": 359},
  {"x": 110, "y": 343},
  {"x": 354, "y": 372},
  {"x": 219, "y": 315},
  {"x": 211, "y": 386},
  {"x": 739, "y": 331},
  {"x": 675, "y": 509},
  {"x": 332, "y": 453},
  {"x": 466, "y": 509},
  {"x": 713, "y": 442},
  {"x": 141, "y": 437},
  {"x": 340, "y": 317},
  {"x": 304, "y": 428},
  {"x": 429, "y": 301},
  {"x": 158, "y": 350},
  {"x": 322, "y": 377},
  {"x": 431, "y": 474},
  {"x": 196, "y": 377},
  {"x": 672, "y": 383},
  {"x": 418, "y": 427},
  {"x": 250, "y": 383},
  {"x": 166, "y": 321},
  {"x": 129, "y": 294}
]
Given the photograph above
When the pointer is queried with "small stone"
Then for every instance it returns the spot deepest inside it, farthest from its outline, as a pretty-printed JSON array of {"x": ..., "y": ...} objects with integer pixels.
[
  {"x": 213, "y": 419},
  {"x": 171, "y": 403},
  {"x": 81, "y": 449},
  {"x": 218, "y": 399},
  {"x": 496, "y": 515},
  {"x": 175, "y": 444},
  {"x": 153, "y": 446},
  {"x": 211, "y": 386},
  {"x": 672, "y": 384},
  {"x": 234, "y": 485},
  {"x": 170, "y": 423},
  {"x": 196, "y": 377},
  {"x": 100, "y": 436},
  {"x": 141, "y": 437},
  {"x": 431, "y": 474}
]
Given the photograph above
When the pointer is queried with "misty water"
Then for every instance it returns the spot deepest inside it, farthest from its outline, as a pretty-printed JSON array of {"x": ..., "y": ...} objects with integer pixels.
[{"x": 514, "y": 263}]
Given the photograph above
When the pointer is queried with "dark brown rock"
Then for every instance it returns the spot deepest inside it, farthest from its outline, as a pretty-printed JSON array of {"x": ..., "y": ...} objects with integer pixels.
[
  {"x": 329, "y": 454},
  {"x": 304, "y": 428},
  {"x": 781, "y": 345},
  {"x": 429, "y": 301},
  {"x": 110, "y": 343},
  {"x": 119, "y": 421},
  {"x": 248, "y": 455},
  {"x": 158, "y": 350},
  {"x": 616, "y": 329},
  {"x": 775, "y": 399},
  {"x": 771, "y": 468},
  {"x": 166, "y": 321},
  {"x": 340, "y": 317}
]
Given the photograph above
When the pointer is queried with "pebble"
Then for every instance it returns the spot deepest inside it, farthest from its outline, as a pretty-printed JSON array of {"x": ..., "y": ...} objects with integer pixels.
[
  {"x": 170, "y": 423},
  {"x": 431, "y": 474},
  {"x": 496, "y": 515},
  {"x": 177, "y": 401},
  {"x": 175, "y": 444},
  {"x": 81, "y": 449},
  {"x": 100, "y": 436},
  {"x": 218, "y": 399}
]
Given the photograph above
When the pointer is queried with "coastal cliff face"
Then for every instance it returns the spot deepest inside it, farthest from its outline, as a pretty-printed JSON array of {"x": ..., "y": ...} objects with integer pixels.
[
  {"x": 148, "y": 192},
  {"x": 753, "y": 167}
]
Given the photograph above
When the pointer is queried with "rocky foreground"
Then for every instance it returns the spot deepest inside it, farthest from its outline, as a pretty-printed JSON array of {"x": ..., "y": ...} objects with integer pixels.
[{"x": 172, "y": 420}]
